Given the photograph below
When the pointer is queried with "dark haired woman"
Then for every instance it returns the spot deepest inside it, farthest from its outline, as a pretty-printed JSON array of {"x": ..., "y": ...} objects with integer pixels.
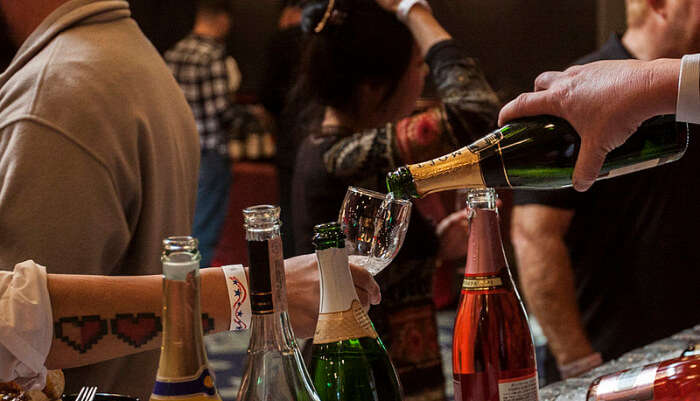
[{"x": 365, "y": 69}]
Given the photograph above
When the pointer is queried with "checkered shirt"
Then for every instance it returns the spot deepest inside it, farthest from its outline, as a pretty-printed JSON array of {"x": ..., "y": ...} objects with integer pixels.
[{"x": 199, "y": 67}]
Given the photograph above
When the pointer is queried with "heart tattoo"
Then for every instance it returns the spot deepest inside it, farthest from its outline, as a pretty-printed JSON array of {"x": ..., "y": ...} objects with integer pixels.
[
  {"x": 136, "y": 330},
  {"x": 80, "y": 333}
]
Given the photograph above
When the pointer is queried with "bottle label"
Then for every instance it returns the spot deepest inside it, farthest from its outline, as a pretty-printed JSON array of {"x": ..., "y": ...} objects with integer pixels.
[
  {"x": 260, "y": 283},
  {"x": 345, "y": 325},
  {"x": 523, "y": 388},
  {"x": 481, "y": 283},
  {"x": 632, "y": 385},
  {"x": 199, "y": 386}
]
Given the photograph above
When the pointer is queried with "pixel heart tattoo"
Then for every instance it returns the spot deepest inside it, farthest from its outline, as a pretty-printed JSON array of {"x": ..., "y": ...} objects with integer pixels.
[
  {"x": 136, "y": 330},
  {"x": 80, "y": 333}
]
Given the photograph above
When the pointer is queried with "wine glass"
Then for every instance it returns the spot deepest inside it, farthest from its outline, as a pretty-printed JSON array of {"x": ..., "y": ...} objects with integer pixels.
[{"x": 374, "y": 225}]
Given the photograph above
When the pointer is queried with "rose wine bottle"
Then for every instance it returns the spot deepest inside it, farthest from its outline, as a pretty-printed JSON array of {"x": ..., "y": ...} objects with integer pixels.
[
  {"x": 672, "y": 380},
  {"x": 493, "y": 357},
  {"x": 348, "y": 360},
  {"x": 536, "y": 153}
]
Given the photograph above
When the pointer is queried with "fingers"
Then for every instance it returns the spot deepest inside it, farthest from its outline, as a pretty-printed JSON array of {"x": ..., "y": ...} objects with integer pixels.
[
  {"x": 526, "y": 104},
  {"x": 364, "y": 282},
  {"x": 590, "y": 160}
]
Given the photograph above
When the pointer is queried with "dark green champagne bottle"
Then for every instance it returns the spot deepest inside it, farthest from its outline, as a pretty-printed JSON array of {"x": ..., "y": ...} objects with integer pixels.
[
  {"x": 348, "y": 360},
  {"x": 536, "y": 153}
]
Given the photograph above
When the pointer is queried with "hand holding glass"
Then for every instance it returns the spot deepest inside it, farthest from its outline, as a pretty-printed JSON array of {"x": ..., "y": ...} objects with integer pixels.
[{"x": 374, "y": 226}]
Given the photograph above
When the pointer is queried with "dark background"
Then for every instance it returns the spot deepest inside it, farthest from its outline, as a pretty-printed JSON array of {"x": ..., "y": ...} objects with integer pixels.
[{"x": 513, "y": 39}]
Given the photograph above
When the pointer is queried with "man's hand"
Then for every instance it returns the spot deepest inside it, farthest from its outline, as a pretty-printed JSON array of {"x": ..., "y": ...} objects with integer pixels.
[
  {"x": 604, "y": 101},
  {"x": 302, "y": 276}
]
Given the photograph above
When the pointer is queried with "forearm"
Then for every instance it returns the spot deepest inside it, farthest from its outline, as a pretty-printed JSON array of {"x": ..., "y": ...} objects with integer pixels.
[
  {"x": 104, "y": 317},
  {"x": 426, "y": 30},
  {"x": 547, "y": 282}
]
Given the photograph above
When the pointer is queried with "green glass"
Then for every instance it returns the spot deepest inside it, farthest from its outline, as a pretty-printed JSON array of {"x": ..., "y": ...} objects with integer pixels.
[
  {"x": 537, "y": 153},
  {"x": 358, "y": 369}
]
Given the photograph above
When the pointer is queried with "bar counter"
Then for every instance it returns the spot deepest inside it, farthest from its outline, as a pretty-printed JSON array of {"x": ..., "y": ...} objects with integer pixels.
[{"x": 575, "y": 389}]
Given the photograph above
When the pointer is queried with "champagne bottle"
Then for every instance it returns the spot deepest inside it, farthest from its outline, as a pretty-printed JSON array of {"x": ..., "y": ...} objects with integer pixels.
[
  {"x": 349, "y": 361},
  {"x": 536, "y": 153},
  {"x": 493, "y": 356},
  {"x": 183, "y": 373},
  {"x": 274, "y": 369},
  {"x": 672, "y": 380}
]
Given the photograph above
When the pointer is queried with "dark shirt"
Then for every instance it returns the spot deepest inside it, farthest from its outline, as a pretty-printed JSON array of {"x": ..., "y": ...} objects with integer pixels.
[
  {"x": 327, "y": 163},
  {"x": 631, "y": 242}
]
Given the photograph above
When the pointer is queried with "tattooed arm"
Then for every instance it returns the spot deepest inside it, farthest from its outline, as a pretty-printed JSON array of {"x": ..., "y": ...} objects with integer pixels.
[{"x": 104, "y": 317}]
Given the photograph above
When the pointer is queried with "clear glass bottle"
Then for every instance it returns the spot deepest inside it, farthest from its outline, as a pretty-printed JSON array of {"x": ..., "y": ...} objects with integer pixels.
[
  {"x": 183, "y": 373},
  {"x": 672, "y": 380},
  {"x": 348, "y": 360},
  {"x": 493, "y": 357},
  {"x": 274, "y": 369},
  {"x": 536, "y": 153}
]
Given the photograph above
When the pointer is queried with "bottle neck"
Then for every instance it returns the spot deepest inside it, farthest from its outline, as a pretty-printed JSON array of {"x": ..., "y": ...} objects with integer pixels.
[
  {"x": 182, "y": 353},
  {"x": 485, "y": 255},
  {"x": 337, "y": 288},
  {"x": 459, "y": 169},
  {"x": 341, "y": 315},
  {"x": 268, "y": 291}
]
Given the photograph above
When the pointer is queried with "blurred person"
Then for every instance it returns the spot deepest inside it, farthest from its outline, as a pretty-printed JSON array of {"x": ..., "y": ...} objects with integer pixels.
[
  {"x": 208, "y": 78},
  {"x": 122, "y": 314},
  {"x": 281, "y": 69},
  {"x": 360, "y": 84},
  {"x": 613, "y": 269}
]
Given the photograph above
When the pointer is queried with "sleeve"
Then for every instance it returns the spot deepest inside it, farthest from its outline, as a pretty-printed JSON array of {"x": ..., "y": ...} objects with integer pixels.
[
  {"x": 219, "y": 102},
  {"x": 362, "y": 154},
  {"x": 688, "y": 103},
  {"x": 24, "y": 342},
  {"x": 59, "y": 205},
  {"x": 469, "y": 107},
  {"x": 470, "y": 103}
]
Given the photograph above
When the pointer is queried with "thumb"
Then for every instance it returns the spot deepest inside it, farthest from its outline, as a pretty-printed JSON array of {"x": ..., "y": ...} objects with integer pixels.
[{"x": 590, "y": 160}]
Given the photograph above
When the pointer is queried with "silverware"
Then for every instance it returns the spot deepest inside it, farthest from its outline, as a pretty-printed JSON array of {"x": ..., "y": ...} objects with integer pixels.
[{"x": 86, "y": 393}]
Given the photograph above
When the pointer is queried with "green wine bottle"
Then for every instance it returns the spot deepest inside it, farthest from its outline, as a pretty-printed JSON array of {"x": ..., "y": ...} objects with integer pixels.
[
  {"x": 348, "y": 360},
  {"x": 536, "y": 153}
]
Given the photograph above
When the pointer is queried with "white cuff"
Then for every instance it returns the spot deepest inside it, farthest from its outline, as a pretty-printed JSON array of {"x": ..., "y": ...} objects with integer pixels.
[
  {"x": 688, "y": 103},
  {"x": 405, "y": 6},
  {"x": 237, "y": 285},
  {"x": 25, "y": 325}
]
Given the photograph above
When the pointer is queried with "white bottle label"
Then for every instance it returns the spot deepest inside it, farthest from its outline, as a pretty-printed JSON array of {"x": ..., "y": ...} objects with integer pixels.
[
  {"x": 337, "y": 289},
  {"x": 632, "y": 385},
  {"x": 522, "y": 388}
]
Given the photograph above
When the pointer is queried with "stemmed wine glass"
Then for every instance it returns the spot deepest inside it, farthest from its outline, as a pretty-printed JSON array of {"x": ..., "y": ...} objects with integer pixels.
[{"x": 374, "y": 225}]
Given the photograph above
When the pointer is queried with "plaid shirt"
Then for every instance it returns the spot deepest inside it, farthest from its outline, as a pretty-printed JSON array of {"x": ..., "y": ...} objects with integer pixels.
[{"x": 199, "y": 66}]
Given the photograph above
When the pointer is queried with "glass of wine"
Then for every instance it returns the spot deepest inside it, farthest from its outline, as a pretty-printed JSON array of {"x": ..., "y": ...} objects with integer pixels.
[{"x": 374, "y": 225}]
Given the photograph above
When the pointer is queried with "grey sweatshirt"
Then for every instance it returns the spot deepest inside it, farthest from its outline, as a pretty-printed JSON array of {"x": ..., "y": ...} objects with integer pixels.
[{"x": 98, "y": 160}]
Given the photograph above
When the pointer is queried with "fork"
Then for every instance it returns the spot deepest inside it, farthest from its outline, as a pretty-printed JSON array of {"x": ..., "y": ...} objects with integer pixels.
[{"x": 86, "y": 393}]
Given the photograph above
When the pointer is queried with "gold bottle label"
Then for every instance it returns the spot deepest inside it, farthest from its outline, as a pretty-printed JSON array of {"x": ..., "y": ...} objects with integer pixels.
[
  {"x": 480, "y": 283},
  {"x": 459, "y": 169},
  {"x": 346, "y": 325}
]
